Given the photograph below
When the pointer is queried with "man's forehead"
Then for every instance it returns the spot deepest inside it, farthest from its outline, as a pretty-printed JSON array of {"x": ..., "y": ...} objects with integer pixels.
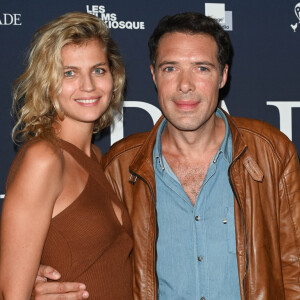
[
  {"x": 186, "y": 44},
  {"x": 180, "y": 35}
]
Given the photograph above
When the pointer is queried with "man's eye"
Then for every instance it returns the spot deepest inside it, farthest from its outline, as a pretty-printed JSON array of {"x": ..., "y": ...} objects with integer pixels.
[
  {"x": 169, "y": 69},
  {"x": 69, "y": 73},
  {"x": 202, "y": 69},
  {"x": 99, "y": 71}
]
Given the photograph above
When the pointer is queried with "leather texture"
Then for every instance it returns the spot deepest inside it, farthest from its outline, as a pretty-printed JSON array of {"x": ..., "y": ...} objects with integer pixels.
[{"x": 265, "y": 178}]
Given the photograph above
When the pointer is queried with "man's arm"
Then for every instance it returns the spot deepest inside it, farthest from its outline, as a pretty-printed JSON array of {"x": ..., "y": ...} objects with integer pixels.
[
  {"x": 290, "y": 227},
  {"x": 44, "y": 290}
]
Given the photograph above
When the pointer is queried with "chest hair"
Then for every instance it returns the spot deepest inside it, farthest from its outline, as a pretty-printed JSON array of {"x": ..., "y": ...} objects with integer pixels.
[{"x": 190, "y": 174}]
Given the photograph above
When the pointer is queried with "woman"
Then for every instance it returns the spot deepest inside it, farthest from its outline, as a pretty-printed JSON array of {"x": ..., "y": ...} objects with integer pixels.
[{"x": 59, "y": 209}]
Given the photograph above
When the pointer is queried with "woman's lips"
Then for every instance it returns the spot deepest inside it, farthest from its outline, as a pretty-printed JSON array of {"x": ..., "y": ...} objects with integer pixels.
[{"x": 88, "y": 102}]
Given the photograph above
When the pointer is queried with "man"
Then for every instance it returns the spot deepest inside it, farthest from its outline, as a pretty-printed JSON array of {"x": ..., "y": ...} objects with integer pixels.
[{"x": 214, "y": 200}]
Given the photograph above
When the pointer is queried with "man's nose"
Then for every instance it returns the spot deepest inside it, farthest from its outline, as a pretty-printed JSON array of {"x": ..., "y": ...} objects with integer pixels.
[{"x": 186, "y": 81}]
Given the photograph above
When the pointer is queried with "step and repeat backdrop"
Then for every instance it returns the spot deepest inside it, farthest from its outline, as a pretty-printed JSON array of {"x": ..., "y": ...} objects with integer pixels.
[{"x": 264, "y": 78}]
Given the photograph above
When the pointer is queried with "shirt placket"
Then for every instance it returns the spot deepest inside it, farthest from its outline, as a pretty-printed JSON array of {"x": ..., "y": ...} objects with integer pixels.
[{"x": 200, "y": 242}]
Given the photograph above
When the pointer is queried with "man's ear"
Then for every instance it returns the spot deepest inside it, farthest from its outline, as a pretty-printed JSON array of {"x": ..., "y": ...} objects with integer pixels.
[
  {"x": 224, "y": 77},
  {"x": 153, "y": 73}
]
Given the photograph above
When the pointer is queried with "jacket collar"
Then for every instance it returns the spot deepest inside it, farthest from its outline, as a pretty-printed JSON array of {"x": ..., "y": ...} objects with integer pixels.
[
  {"x": 143, "y": 161},
  {"x": 238, "y": 144},
  {"x": 144, "y": 157},
  {"x": 239, "y": 148}
]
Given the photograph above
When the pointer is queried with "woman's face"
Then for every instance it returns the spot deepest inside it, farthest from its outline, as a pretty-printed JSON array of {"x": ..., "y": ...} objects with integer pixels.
[{"x": 87, "y": 83}]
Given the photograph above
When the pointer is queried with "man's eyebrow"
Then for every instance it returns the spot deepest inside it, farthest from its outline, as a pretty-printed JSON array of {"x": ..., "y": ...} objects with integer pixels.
[
  {"x": 206, "y": 63},
  {"x": 197, "y": 63},
  {"x": 167, "y": 62}
]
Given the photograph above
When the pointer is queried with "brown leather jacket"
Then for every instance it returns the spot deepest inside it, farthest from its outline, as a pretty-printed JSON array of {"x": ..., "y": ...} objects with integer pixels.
[{"x": 265, "y": 179}]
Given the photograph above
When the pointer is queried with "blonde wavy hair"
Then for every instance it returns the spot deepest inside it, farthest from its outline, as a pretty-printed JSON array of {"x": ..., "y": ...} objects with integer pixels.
[{"x": 35, "y": 92}]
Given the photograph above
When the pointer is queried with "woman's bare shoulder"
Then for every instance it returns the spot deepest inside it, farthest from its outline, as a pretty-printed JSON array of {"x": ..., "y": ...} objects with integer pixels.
[
  {"x": 43, "y": 153},
  {"x": 37, "y": 160}
]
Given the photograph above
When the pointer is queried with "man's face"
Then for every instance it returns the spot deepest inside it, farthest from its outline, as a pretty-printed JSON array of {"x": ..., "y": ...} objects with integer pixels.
[{"x": 188, "y": 78}]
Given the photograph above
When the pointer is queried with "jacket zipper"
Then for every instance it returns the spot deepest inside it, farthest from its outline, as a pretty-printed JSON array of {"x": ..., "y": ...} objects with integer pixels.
[
  {"x": 153, "y": 200},
  {"x": 243, "y": 218}
]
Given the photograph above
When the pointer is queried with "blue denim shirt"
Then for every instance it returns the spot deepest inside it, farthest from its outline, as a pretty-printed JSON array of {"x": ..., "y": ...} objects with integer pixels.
[{"x": 196, "y": 249}]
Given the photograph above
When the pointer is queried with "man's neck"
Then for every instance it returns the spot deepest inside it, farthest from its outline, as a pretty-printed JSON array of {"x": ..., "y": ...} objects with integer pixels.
[
  {"x": 190, "y": 143},
  {"x": 189, "y": 154}
]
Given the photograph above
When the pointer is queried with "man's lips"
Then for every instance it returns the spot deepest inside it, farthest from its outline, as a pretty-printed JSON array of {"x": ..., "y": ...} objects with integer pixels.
[{"x": 187, "y": 104}]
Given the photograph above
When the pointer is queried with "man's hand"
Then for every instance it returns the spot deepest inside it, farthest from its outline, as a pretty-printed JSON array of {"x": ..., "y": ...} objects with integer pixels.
[{"x": 44, "y": 290}]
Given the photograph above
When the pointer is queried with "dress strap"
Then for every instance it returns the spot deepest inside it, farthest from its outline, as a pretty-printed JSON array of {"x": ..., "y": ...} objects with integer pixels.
[
  {"x": 95, "y": 170},
  {"x": 90, "y": 164}
]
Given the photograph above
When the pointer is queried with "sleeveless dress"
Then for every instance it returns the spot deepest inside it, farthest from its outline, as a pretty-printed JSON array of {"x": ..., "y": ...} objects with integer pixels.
[{"x": 86, "y": 242}]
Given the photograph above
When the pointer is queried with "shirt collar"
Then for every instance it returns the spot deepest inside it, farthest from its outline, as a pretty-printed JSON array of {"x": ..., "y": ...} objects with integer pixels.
[
  {"x": 157, "y": 150},
  {"x": 225, "y": 148}
]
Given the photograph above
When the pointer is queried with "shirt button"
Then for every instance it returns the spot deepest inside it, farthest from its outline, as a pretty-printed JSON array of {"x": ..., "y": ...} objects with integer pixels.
[
  {"x": 202, "y": 298},
  {"x": 200, "y": 258},
  {"x": 197, "y": 218}
]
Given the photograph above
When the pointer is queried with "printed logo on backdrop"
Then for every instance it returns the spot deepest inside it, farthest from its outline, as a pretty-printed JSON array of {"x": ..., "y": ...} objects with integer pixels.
[
  {"x": 217, "y": 11},
  {"x": 111, "y": 19},
  {"x": 285, "y": 109},
  {"x": 296, "y": 26},
  {"x": 10, "y": 19}
]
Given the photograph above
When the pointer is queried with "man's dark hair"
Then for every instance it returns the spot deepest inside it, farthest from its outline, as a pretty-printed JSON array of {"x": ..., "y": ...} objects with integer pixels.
[{"x": 192, "y": 23}]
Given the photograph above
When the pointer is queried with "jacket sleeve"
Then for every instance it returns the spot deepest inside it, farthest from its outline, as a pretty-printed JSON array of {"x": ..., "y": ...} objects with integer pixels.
[{"x": 289, "y": 189}]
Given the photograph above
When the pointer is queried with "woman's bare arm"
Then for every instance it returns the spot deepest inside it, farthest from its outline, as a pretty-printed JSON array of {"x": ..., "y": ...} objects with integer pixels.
[{"x": 26, "y": 215}]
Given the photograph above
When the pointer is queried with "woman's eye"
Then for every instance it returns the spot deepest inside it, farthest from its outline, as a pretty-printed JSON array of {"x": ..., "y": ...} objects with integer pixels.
[
  {"x": 69, "y": 73},
  {"x": 99, "y": 71}
]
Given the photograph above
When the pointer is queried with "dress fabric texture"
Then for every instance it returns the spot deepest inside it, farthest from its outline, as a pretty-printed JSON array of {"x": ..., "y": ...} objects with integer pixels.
[{"x": 86, "y": 242}]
